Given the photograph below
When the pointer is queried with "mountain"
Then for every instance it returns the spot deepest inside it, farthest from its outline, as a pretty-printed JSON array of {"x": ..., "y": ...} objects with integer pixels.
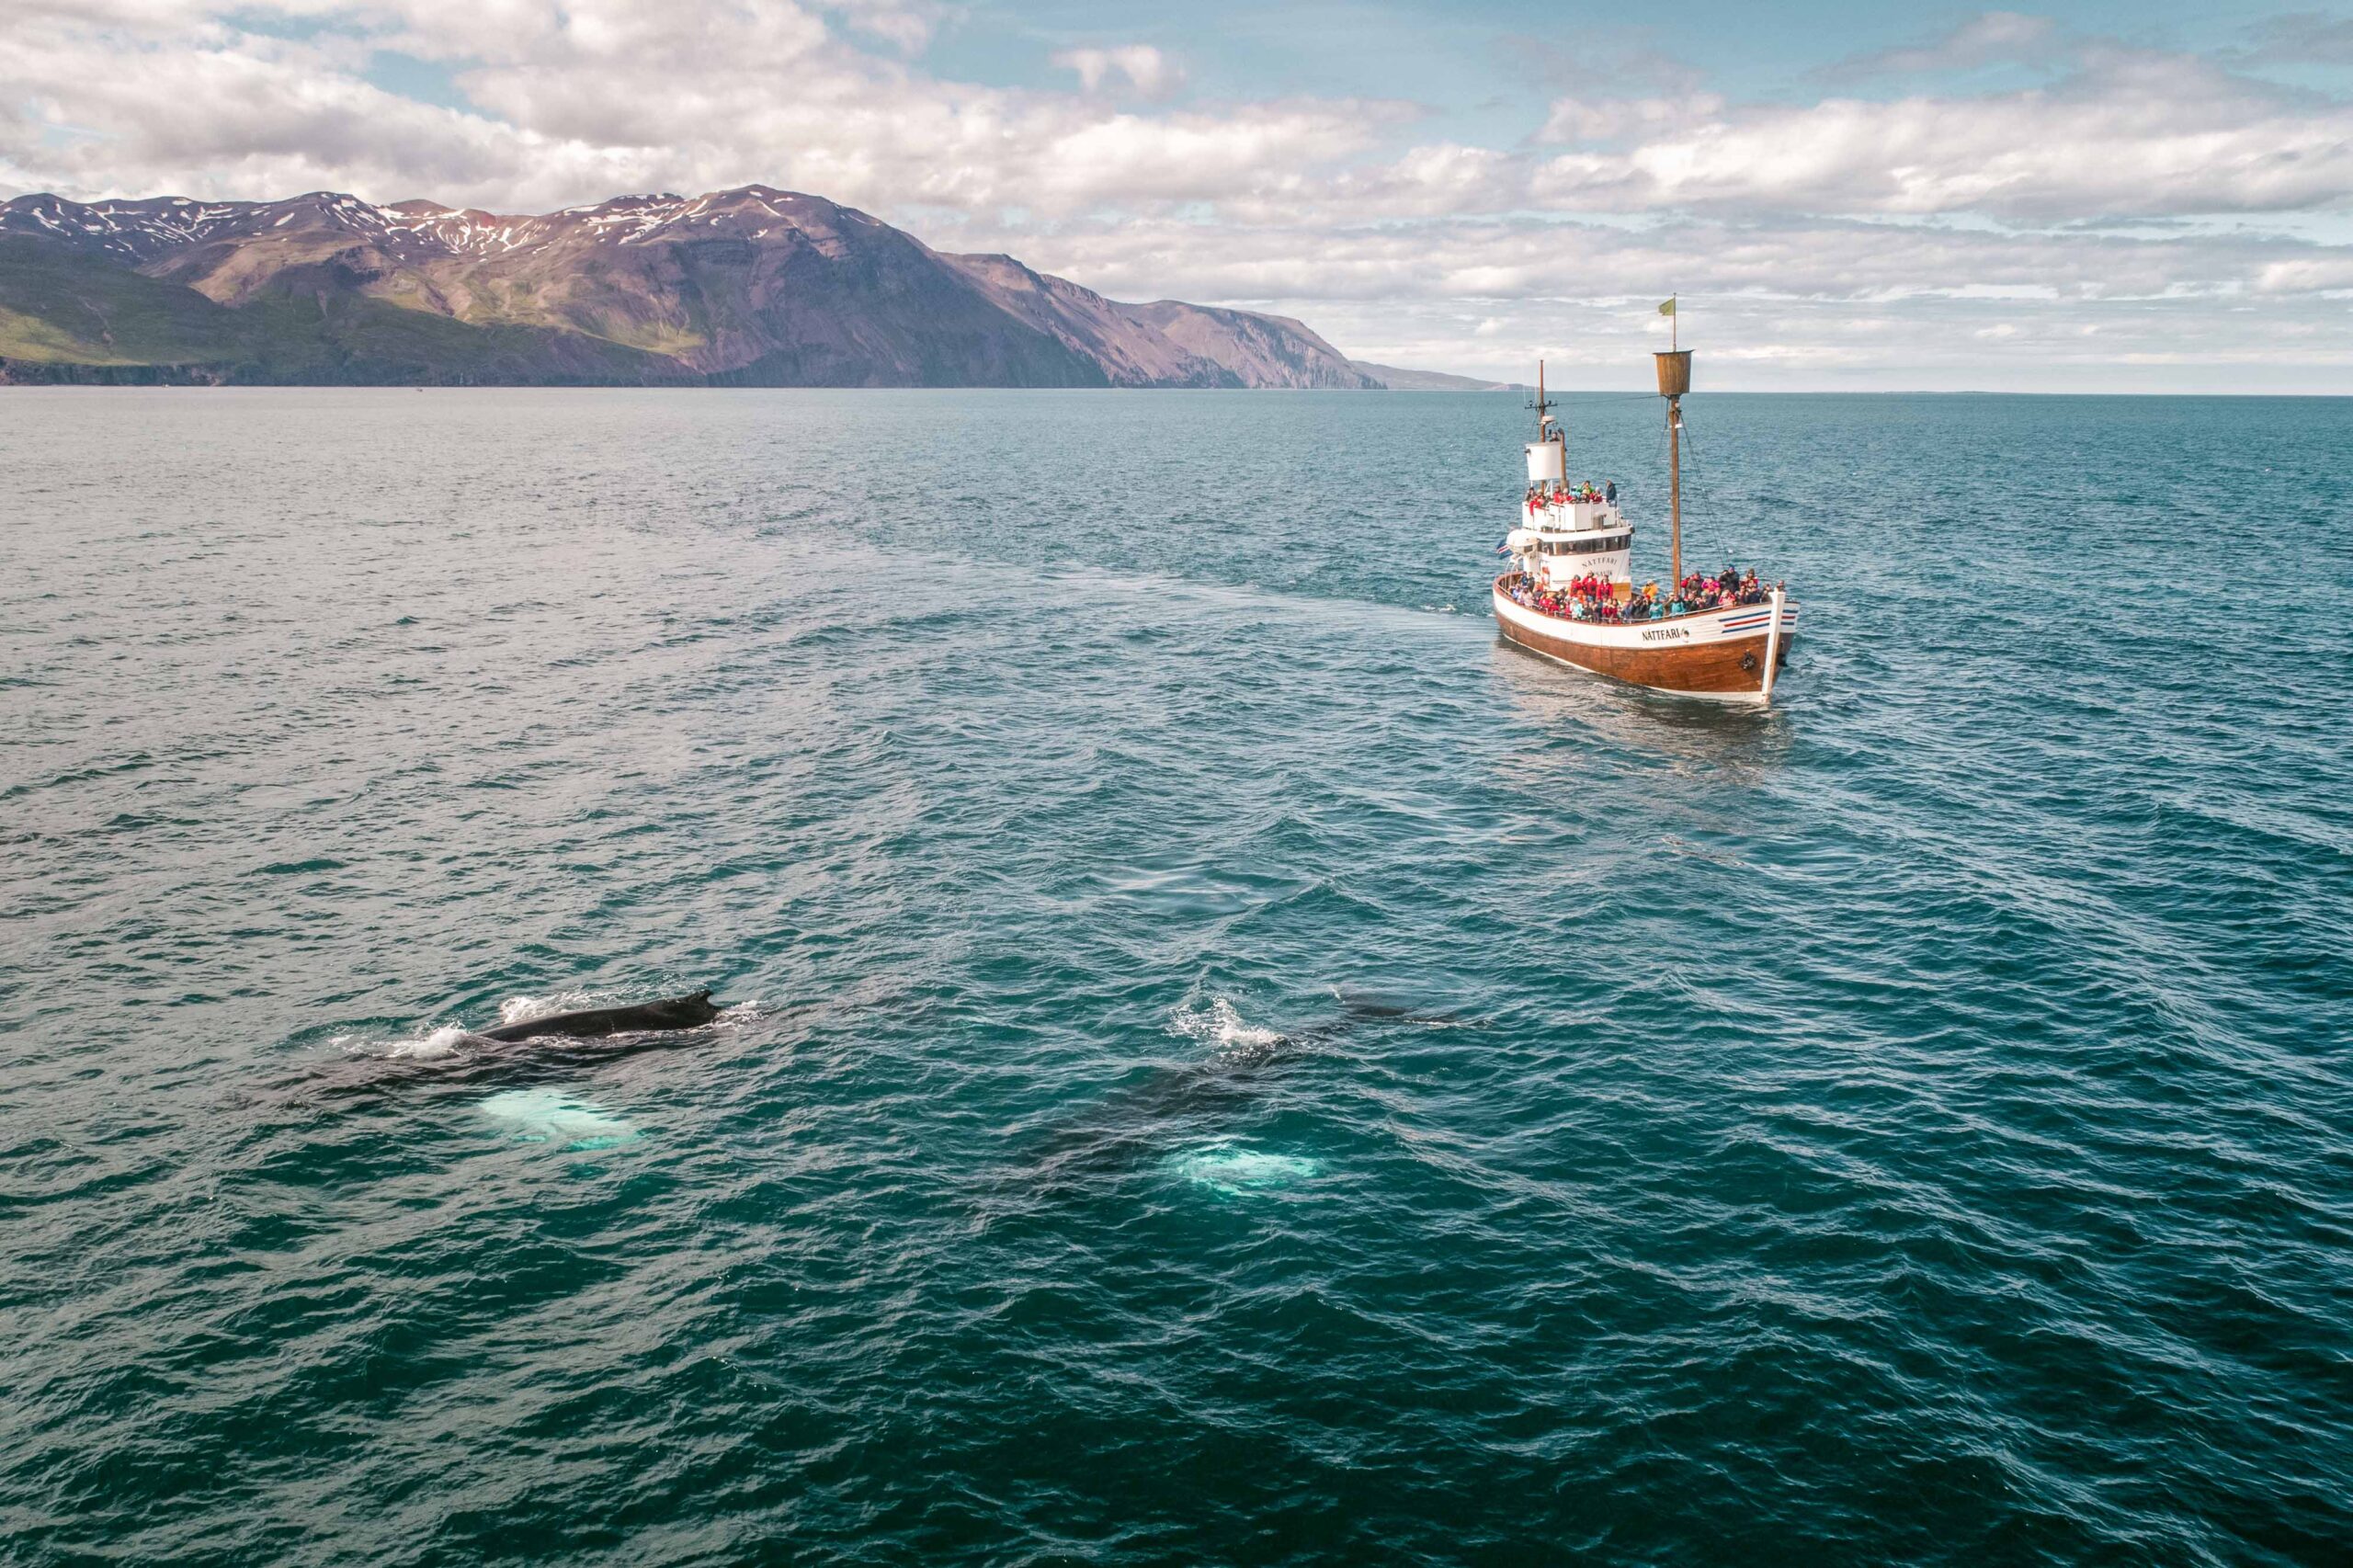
[
  {"x": 1105, "y": 330},
  {"x": 1265, "y": 351},
  {"x": 749, "y": 287},
  {"x": 1397, "y": 378}
]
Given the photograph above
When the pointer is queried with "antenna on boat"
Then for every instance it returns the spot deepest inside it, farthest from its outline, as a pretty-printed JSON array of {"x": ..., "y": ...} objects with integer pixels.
[
  {"x": 1674, "y": 380},
  {"x": 1549, "y": 429}
]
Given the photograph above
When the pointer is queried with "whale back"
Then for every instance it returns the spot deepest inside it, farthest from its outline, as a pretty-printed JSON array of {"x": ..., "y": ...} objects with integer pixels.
[{"x": 690, "y": 1011}]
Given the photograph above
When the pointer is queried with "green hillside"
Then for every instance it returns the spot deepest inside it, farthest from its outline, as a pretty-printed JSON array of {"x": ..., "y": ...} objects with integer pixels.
[
  {"x": 66, "y": 315},
  {"x": 60, "y": 308}
]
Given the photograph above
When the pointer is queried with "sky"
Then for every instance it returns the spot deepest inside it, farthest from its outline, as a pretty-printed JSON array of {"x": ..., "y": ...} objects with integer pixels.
[{"x": 2153, "y": 196}]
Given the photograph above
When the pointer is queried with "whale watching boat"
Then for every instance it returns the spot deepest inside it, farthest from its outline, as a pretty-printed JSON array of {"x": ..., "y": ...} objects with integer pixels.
[{"x": 1571, "y": 593}]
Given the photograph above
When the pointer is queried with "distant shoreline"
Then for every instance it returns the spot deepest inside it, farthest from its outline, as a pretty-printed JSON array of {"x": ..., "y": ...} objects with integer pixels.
[{"x": 137, "y": 383}]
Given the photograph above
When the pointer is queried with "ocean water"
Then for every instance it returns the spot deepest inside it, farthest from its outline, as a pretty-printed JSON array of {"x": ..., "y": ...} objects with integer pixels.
[{"x": 1225, "y": 1061}]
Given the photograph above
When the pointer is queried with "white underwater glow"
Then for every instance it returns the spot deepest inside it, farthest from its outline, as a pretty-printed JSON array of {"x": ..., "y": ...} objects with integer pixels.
[
  {"x": 1224, "y": 1168},
  {"x": 550, "y": 1116}
]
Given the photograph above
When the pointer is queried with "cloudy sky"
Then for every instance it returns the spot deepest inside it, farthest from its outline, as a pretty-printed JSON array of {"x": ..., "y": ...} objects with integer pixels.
[{"x": 2129, "y": 196}]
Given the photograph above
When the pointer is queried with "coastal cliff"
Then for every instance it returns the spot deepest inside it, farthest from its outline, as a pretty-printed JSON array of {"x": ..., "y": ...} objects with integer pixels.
[{"x": 749, "y": 287}]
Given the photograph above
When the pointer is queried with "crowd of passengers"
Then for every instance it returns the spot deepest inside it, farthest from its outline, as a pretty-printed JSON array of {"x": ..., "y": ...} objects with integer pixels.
[
  {"x": 1599, "y": 598},
  {"x": 1571, "y": 494}
]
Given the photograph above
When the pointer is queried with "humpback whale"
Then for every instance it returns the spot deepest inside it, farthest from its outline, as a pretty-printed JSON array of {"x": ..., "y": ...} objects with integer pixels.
[
  {"x": 690, "y": 1011},
  {"x": 532, "y": 1050},
  {"x": 1134, "y": 1125}
]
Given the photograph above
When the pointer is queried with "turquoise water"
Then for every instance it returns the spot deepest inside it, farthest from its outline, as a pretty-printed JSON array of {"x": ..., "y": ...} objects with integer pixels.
[{"x": 1227, "y": 1062}]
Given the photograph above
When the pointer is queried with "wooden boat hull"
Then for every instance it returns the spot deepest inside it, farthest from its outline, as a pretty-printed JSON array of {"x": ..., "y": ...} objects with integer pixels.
[{"x": 1718, "y": 654}]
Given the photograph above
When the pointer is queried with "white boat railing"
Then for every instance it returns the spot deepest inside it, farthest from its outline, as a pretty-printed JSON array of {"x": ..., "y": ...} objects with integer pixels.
[
  {"x": 1789, "y": 614},
  {"x": 1574, "y": 516}
]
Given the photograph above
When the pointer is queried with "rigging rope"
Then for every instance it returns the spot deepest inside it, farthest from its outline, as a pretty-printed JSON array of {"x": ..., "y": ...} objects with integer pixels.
[
  {"x": 1700, "y": 483},
  {"x": 1696, "y": 486}
]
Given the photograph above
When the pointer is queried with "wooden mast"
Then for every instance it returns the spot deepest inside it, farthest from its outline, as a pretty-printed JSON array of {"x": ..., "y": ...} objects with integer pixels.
[
  {"x": 1674, "y": 380},
  {"x": 1675, "y": 486}
]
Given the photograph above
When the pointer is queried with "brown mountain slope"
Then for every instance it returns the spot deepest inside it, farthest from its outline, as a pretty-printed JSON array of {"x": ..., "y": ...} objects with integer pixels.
[
  {"x": 1396, "y": 377},
  {"x": 1131, "y": 354},
  {"x": 1265, "y": 351},
  {"x": 749, "y": 287}
]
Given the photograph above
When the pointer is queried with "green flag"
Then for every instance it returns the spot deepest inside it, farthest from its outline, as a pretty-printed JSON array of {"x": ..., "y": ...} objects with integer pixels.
[{"x": 1667, "y": 307}]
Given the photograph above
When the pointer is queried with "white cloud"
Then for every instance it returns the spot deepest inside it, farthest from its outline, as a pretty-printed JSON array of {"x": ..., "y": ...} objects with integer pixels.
[
  {"x": 1146, "y": 69},
  {"x": 909, "y": 25},
  {"x": 1987, "y": 39},
  {"x": 1343, "y": 209},
  {"x": 1852, "y": 266},
  {"x": 2137, "y": 136},
  {"x": 2300, "y": 37},
  {"x": 2306, "y": 275},
  {"x": 677, "y": 94},
  {"x": 601, "y": 96},
  {"x": 1591, "y": 118}
]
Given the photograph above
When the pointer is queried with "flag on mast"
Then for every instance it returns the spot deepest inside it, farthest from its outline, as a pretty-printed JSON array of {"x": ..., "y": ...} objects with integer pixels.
[{"x": 1666, "y": 306}]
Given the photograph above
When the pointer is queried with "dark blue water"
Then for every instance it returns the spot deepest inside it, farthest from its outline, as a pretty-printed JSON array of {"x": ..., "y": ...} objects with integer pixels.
[{"x": 1229, "y": 1064}]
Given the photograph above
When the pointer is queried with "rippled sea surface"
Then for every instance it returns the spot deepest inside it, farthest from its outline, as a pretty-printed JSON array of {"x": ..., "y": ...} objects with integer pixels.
[{"x": 1226, "y": 1063}]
